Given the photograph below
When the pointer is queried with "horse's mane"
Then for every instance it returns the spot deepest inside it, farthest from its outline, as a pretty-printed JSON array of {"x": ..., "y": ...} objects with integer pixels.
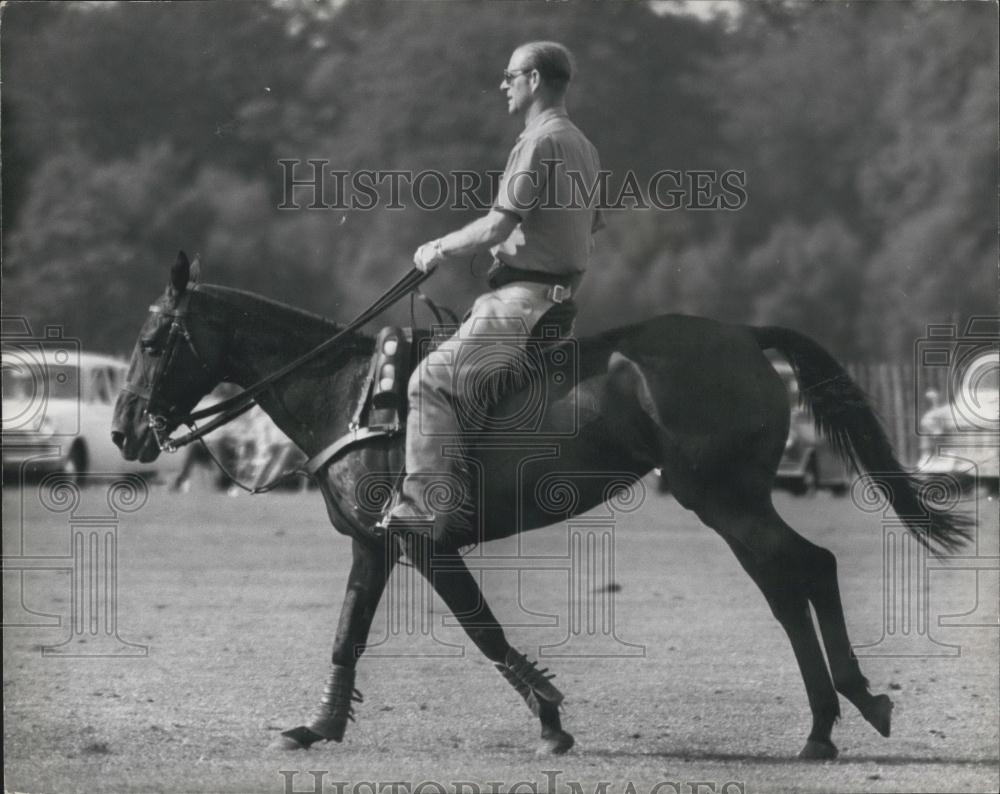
[
  {"x": 314, "y": 326},
  {"x": 298, "y": 321}
]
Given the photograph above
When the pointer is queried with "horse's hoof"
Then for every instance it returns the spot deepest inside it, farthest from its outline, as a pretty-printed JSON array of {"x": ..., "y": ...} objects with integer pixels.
[
  {"x": 879, "y": 713},
  {"x": 818, "y": 751},
  {"x": 300, "y": 738},
  {"x": 555, "y": 744},
  {"x": 286, "y": 743}
]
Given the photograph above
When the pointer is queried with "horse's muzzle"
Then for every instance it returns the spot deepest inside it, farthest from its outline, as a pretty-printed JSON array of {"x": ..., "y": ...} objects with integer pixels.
[{"x": 130, "y": 430}]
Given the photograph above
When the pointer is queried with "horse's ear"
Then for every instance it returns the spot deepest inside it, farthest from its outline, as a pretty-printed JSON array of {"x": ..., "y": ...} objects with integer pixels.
[
  {"x": 195, "y": 275},
  {"x": 180, "y": 272}
]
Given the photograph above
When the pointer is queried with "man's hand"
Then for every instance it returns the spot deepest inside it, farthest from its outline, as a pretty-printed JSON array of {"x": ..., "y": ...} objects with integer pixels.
[{"x": 428, "y": 256}]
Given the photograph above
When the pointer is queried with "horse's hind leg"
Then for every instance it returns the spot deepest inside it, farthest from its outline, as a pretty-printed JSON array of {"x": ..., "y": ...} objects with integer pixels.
[
  {"x": 792, "y": 572},
  {"x": 817, "y": 573},
  {"x": 452, "y": 581},
  {"x": 820, "y": 579},
  {"x": 790, "y": 606},
  {"x": 370, "y": 571}
]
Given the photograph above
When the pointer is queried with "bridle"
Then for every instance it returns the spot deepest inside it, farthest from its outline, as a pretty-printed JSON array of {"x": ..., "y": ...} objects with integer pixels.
[{"x": 162, "y": 422}]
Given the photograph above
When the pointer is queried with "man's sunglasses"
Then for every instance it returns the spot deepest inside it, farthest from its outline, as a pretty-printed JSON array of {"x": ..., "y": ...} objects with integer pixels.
[{"x": 509, "y": 76}]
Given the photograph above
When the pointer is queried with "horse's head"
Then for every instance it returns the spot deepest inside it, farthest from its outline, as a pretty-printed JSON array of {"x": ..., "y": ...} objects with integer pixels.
[{"x": 176, "y": 361}]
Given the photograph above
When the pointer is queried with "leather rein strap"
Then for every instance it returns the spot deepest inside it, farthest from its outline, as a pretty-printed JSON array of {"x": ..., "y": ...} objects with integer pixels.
[{"x": 232, "y": 407}]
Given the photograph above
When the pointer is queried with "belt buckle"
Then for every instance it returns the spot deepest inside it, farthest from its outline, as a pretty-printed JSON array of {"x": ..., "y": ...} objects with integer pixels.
[{"x": 560, "y": 293}]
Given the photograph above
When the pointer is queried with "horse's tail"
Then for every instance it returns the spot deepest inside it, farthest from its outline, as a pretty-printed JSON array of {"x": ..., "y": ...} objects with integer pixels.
[{"x": 845, "y": 417}]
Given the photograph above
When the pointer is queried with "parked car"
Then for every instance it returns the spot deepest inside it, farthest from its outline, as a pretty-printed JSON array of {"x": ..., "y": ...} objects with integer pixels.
[
  {"x": 57, "y": 407},
  {"x": 960, "y": 437},
  {"x": 809, "y": 461}
]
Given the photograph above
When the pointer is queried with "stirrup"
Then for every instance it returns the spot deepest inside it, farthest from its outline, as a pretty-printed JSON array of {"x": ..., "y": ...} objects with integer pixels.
[
  {"x": 528, "y": 679},
  {"x": 336, "y": 706}
]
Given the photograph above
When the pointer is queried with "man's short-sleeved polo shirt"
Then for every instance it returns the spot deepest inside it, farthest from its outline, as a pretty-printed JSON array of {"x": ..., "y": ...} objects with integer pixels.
[{"x": 549, "y": 184}]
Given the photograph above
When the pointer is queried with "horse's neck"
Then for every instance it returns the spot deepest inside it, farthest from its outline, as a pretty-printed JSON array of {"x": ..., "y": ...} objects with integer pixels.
[{"x": 312, "y": 405}]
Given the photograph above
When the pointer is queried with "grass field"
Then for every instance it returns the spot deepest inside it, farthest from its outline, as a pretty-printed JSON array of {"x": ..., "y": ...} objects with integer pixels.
[{"x": 688, "y": 686}]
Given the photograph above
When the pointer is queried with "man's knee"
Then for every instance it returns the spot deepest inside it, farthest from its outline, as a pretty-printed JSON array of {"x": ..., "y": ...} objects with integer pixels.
[{"x": 433, "y": 373}]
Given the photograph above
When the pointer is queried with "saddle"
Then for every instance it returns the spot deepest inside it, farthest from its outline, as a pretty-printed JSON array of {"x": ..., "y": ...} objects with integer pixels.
[{"x": 382, "y": 405}]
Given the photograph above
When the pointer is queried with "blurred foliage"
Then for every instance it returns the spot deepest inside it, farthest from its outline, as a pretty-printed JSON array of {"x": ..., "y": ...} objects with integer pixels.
[{"x": 867, "y": 133}]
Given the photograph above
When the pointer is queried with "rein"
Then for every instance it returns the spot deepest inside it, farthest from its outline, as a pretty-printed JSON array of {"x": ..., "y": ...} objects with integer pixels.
[{"x": 233, "y": 407}]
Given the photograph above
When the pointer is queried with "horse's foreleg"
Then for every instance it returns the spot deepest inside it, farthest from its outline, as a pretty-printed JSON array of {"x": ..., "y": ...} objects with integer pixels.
[
  {"x": 452, "y": 581},
  {"x": 370, "y": 571}
]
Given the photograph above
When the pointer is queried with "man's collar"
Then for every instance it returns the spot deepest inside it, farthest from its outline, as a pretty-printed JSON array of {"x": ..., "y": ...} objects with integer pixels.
[{"x": 546, "y": 115}]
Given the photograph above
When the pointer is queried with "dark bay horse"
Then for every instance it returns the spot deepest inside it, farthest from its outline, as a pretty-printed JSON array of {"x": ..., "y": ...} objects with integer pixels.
[{"x": 694, "y": 397}]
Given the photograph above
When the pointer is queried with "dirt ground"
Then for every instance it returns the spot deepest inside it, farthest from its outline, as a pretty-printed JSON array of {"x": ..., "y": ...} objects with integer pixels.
[{"x": 677, "y": 678}]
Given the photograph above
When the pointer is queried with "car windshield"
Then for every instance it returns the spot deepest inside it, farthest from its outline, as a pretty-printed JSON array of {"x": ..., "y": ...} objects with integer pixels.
[{"x": 55, "y": 382}]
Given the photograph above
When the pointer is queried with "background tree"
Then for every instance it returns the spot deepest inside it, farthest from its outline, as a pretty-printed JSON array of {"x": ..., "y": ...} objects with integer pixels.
[{"x": 867, "y": 133}]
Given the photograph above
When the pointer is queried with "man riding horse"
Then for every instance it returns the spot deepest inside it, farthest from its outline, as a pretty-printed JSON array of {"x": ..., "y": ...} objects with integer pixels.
[
  {"x": 540, "y": 251},
  {"x": 541, "y": 248},
  {"x": 659, "y": 393}
]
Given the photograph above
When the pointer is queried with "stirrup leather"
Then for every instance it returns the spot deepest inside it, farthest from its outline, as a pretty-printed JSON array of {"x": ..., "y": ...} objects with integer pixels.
[
  {"x": 528, "y": 679},
  {"x": 336, "y": 706}
]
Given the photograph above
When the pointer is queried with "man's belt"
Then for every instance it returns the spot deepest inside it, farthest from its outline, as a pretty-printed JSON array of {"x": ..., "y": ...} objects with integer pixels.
[
  {"x": 559, "y": 293},
  {"x": 562, "y": 285},
  {"x": 552, "y": 293}
]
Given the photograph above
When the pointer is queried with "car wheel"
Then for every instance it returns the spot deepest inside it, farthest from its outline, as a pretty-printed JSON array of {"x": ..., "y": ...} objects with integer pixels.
[
  {"x": 839, "y": 489},
  {"x": 810, "y": 480},
  {"x": 75, "y": 465},
  {"x": 807, "y": 484},
  {"x": 990, "y": 489}
]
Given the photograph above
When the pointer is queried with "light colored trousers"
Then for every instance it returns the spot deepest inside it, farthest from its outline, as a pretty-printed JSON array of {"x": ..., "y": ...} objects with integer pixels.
[{"x": 450, "y": 395}]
